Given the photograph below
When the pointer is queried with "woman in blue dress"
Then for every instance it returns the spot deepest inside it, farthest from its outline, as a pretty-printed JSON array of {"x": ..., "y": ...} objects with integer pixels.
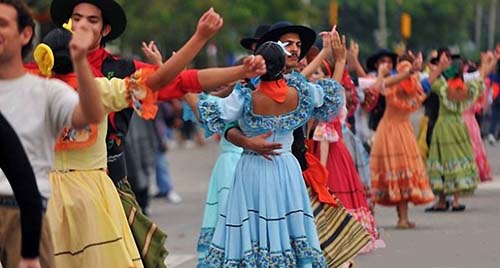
[{"x": 268, "y": 220}]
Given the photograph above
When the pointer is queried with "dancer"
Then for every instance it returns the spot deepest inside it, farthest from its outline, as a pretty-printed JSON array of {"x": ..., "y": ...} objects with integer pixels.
[
  {"x": 273, "y": 195},
  {"x": 341, "y": 236},
  {"x": 398, "y": 172},
  {"x": 451, "y": 166}
]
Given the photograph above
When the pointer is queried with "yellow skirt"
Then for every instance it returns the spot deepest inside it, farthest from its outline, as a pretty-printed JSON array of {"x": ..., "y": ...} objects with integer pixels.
[
  {"x": 422, "y": 137},
  {"x": 88, "y": 223}
]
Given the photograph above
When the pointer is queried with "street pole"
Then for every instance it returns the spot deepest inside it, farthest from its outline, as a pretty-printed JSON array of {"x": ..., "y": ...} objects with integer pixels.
[
  {"x": 493, "y": 19},
  {"x": 381, "y": 34},
  {"x": 479, "y": 20}
]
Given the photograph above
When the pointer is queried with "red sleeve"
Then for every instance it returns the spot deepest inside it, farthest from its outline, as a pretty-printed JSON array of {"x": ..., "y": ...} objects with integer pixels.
[
  {"x": 186, "y": 81},
  {"x": 140, "y": 64}
]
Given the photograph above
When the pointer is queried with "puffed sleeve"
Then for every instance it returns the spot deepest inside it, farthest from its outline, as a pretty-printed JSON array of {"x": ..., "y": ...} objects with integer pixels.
[
  {"x": 328, "y": 99},
  {"x": 118, "y": 94},
  {"x": 216, "y": 112}
]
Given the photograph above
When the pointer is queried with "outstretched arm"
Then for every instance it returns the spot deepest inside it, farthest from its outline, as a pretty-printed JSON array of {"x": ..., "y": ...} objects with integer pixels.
[
  {"x": 212, "y": 78},
  {"x": 208, "y": 25}
]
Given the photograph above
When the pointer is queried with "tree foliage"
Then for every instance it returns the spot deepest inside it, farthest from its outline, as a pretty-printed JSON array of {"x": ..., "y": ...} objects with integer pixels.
[{"x": 170, "y": 23}]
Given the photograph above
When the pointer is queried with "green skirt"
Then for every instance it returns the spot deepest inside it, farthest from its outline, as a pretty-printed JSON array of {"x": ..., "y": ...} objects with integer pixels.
[
  {"x": 451, "y": 164},
  {"x": 150, "y": 240}
]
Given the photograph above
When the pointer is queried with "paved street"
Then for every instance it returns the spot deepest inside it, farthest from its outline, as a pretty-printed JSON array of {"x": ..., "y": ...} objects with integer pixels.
[{"x": 446, "y": 240}]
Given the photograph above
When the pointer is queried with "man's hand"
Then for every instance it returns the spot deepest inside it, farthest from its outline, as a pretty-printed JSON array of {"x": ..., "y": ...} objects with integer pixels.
[
  {"x": 260, "y": 145},
  {"x": 254, "y": 66},
  {"x": 209, "y": 24},
  {"x": 80, "y": 43},
  {"x": 444, "y": 63},
  {"x": 383, "y": 70},
  {"x": 488, "y": 63},
  {"x": 354, "y": 49},
  {"x": 29, "y": 263},
  {"x": 152, "y": 53}
]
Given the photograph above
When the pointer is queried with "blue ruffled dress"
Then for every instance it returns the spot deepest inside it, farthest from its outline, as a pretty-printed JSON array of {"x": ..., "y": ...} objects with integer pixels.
[
  {"x": 221, "y": 181},
  {"x": 268, "y": 220}
]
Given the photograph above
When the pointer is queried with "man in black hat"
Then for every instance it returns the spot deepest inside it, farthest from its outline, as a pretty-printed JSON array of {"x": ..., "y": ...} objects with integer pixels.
[
  {"x": 298, "y": 39},
  {"x": 250, "y": 43}
]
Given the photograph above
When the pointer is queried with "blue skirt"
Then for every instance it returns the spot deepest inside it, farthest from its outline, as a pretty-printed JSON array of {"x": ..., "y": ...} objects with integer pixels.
[{"x": 268, "y": 220}]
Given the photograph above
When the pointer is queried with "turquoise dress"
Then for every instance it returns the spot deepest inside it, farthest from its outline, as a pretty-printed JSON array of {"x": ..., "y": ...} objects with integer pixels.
[
  {"x": 221, "y": 181},
  {"x": 268, "y": 220}
]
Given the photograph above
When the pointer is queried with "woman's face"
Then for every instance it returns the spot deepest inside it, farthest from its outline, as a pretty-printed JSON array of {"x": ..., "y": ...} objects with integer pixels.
[{"x": 317, "y": 75}]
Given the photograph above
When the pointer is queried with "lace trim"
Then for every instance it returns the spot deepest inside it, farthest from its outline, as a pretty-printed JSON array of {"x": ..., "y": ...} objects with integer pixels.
[{"x": 300, "y": 255}]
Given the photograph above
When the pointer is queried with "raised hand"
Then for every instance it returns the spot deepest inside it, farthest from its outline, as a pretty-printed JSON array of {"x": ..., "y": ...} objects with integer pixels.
[
  {"x": 354, "y": 49},
  {"x": 339, "y": 47},
  {"x": 254, "y": 66},
  {"x": 80, "y": 43},
  {"x": 444, "y": 63},
  {"x": 417, "y": 59},
  {"x": 152, "y": 53},
  {"x": 488, "y": 63},
  {"x": 383, "y": 70},
  {"x": 327, "y": 41},
  {"x": 209, "y": 24}
]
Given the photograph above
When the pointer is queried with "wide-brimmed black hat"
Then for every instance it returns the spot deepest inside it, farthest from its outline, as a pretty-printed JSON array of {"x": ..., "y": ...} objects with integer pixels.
[
  {"x": 247, "y": 42},
  {"x": 444, "y": 50},
  {"x": 112, "y": 13},
  {"x": 306, "y": 34},
  {"x": 372, "y": 60}
]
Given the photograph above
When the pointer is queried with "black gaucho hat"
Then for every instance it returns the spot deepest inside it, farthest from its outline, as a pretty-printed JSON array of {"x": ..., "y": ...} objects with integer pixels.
[
  {"x": 247, "y": 42},
  {"x": 112, "y": 14},
  {"x": 372, "y": 60},
  {"x": 306, "y": 34}
]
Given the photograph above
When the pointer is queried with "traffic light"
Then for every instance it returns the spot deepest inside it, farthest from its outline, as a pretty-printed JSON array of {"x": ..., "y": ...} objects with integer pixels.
[
  {"x": 334, "y": 12},
  {"x": 405, "y": 25}
]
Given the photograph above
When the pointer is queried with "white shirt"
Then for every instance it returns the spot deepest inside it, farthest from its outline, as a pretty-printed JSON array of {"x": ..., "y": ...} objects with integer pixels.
[{"x": 37, "y": 109}]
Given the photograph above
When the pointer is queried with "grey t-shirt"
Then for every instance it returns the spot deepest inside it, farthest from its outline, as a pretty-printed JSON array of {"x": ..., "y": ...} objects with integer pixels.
[{"x": 37, "y": 108}]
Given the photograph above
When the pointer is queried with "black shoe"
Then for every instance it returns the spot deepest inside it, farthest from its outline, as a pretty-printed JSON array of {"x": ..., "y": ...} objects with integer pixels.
[
  {"x": 436, "y": 209},
  {"x": 458, "y": 208}
]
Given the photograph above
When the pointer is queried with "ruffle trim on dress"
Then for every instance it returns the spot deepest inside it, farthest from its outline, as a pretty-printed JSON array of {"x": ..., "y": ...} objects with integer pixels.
[
  {"x": 204, "y": 241},
  {"x": 141, "y": 98},
  {"x": 333, "y": 100},
  {"x": 473, "y": 90},
  {"x": 411, "y": 103},
  {"x": 392, "y": 187},
  {"x": 285, "y": 122},
  {"x": 364, "y": 216},
  {"x": 210, "y": 115},
  {"x": 301, "y": 255}
]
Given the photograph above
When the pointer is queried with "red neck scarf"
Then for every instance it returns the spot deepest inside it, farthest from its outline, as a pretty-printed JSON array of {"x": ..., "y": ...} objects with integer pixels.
[
  {"x": 96, "y": 58},
  {"x": 276, "y": 90}
]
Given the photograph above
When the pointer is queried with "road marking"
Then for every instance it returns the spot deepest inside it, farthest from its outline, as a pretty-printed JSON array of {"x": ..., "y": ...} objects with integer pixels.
[{"x": 175, "y": 260}]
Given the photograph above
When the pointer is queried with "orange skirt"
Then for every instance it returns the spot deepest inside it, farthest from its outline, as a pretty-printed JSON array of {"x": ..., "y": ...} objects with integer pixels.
[{"x": 397, "y": 170}]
